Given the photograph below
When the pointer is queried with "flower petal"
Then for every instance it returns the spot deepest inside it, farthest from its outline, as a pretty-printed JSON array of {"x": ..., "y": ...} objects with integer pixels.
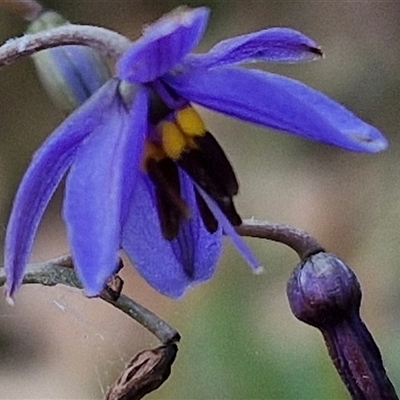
[
  {"x": 94, "y": 191},
  {"x": 71, "y": 74},
  {"x": 170, "y": 267},
  {"x": 272, "y": 45},
  {"x": 230, "y": 231},
  {"x": 278, "y": 102},
  {"x": 196, "y": 248},
  {"x": 163, "y": 45},
  {"x": 42, "y": 177},
  {"x": 138, "y": 130}
]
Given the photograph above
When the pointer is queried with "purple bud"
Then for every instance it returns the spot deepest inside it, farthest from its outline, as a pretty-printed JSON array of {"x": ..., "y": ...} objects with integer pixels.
[
  {"x": 324, "y": 292},
  {"x": 70, "y": 74}
]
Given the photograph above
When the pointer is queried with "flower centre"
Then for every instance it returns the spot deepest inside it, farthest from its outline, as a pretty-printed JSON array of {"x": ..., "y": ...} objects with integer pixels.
[
  {"x": 178, "y": 135},
  {"x": 181, "y": 140}
]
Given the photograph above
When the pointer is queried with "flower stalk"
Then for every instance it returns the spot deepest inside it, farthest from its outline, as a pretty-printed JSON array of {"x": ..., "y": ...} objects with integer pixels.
[
  {"x": 297, "y": 239},
  {"x": 108, "y": 43},
  {"x": 59, "y": 271},
  {"x": 325, "y": 293},
  {"x": 358, "y": 360}
]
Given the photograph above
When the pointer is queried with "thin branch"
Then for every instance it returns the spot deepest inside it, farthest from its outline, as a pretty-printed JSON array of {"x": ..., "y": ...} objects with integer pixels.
[
  {"x": 108, "y": 43},
  {"x": 297, "y": 239},
  {"x": 60, "y": 271},
  {"x": 158, "y": 327}
]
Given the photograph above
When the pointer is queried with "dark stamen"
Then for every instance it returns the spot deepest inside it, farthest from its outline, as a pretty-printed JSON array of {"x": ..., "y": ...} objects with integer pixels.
[
  {"x": 196, "y": 164},
  {"x": 207, "y": 216},
  {"x": 170, "y": 206},
  {"x": 217, "y": 162}
]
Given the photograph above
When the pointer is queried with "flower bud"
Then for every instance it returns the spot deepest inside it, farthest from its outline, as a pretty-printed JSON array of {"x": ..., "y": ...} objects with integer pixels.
[
  {"x": 70, "y": 74},
  {"x": 324, "y": 292}
]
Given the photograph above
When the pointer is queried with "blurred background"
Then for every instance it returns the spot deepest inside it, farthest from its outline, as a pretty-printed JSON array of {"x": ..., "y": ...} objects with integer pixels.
[{"x": 239, "y": 338}]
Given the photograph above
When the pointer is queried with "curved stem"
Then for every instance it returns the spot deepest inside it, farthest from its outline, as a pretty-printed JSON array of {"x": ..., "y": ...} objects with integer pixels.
[
  {"x": 60, "y": 271},
  {"x": 297, "y": 239},
  {"x": 108, "y": 43},
  {"x": 157, "y": 326}
]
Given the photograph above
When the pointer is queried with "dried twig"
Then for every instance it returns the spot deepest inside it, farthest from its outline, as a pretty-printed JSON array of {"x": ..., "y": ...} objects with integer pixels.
[{"x": 146, "y": 372}]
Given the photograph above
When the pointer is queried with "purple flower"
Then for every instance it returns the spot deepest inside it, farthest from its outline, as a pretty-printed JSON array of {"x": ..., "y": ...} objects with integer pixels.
[{"x": 146, "y": 176}]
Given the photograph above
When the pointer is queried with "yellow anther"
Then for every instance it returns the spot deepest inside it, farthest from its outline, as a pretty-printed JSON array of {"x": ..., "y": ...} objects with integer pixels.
[
  {"x": 190, "y": 122},
  {"x": 172, "y": 138}
]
